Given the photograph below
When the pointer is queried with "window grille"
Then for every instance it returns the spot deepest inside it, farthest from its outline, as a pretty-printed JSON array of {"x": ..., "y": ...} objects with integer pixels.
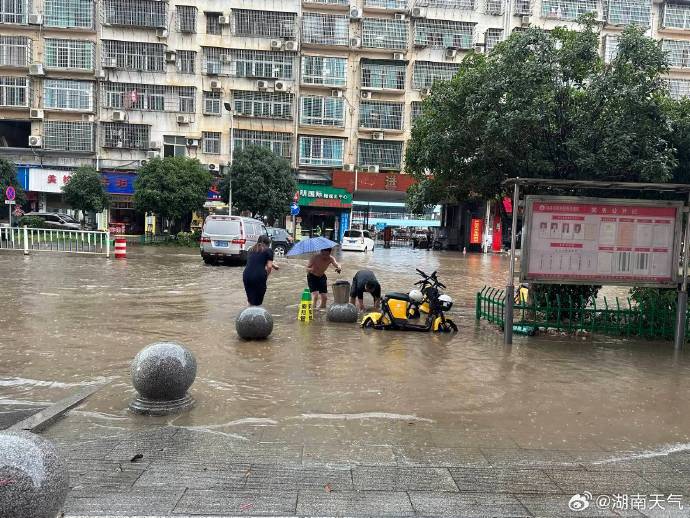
[
  {"x": 426, "y": 72},
  {"x": 385, "y": 75},
  {"x": 676, "y": 16},
  {"x": 120, "y": 135},
  {"x": 133, "y": 55},
  {"x": 68, "y": 136},
  {"x": 610, "y": 48},
  {"x": 158, "y": 98},
  {"x": 186, "y": 18},
  {"x": 318, "y": 70},
  {"x": 262, "y": 64},
  {"x": 136, "y": 13},
  {"x": 385, "y": 154},
  {"x": 415, "y": 110},
  {"x": 678, "y": 88},
  {"x": 494, "y": 7},
  {"x": 213, "y": 24},
  {"x": 216, "y": 61},
  {"x": 378, "y": 33},
  {"x": 186, "y": 61},
  {"x": 174, "y": 145},
  {"x": 465, "y": 5},
  {"x": 65, "y": 94},
  {"x": 211, "y": 142},
  {"x": 14, "y": 11},
  {"x": 279, "y": 143},
  {"x": 629, "y": 12},
  {"x": 381, "y": 115},
  {"x": 491, "y": 38},
  {"x": 326, "y": 29},
  {"x": 321, "y": 151},
  {"x": 443, "y": 34},
  {"x": 73, "y": 54},
  {"x": 523, "y": 7},
  {"x": 212, "y": 103},
  {"x": 266, "y": 24},
  {"x": 322, "y": 111},
  {"x": 68, "y": 13},
  {"x": 567, "y": 9},
  {"x": 15, "y": 51},
  {"x": 328, "y": 2},
  {"x": 267, "y": 105},
  {"x": 678, "y": 52},
  {"x": 14, "y": 91},
  {"x": 398, "y": 5}
]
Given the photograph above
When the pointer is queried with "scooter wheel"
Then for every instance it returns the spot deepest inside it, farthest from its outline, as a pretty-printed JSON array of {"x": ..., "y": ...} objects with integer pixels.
[
  {"x": 368, "y": 324},
  {"x": 448, "y": 327}
]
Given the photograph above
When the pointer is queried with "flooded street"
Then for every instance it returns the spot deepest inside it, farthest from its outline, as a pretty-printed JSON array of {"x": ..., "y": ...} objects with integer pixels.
[{"x": 68, "y": 322}]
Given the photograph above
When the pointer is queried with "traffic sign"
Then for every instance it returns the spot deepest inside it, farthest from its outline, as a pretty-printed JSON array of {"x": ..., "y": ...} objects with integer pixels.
[
  {"x": 294, "y": 209},
  {"x": 10, "y": 193},
  {"x": 10, "y": 202}
]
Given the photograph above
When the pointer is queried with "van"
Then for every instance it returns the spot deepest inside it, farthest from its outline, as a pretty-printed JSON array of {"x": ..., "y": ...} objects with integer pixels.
[{"x": 229, "y": 237}]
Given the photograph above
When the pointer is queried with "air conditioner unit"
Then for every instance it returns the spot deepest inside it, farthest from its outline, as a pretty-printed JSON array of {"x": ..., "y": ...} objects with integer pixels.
[
  {"x": 119, "y": 116},
  {"x": 349, "y": 168},
  {"x": 170, "y": 56},
  {"x": 276, "y": 44},
  {"x": 524, "y": 20},
  {"x": 215, "y": 84},
  {"x": 213, "y": 167},
  {"x": 425, "y": 91},
  {"x": 451, "y": 53},
  {"x": 372, "y": 169},
  {"x": 150, "y": 155},
  {"x": 418, "y": 12},
  {"x": 154, "y": 144},
  {"x": 355, "y": 13},
  {"x": 35, "y": 19},
  {"x": 183, "y": 119},
  {"x": 365, "y": 95},
  {"x": 109, "y": 63},
  {"x": 35, "y": 114},
  {"x": 355, "y": 42},
  {"x": 336, "y": 93},
  {"x": 377, "y": 136},
  {"x": 161, "y": 33},
  {"x": 280, "y": 86},
  {"x": 192, "y": 142},
  {"x": 291, "y": 46},
  {"x": 399, "y": 56},
  {"x": 400, "y": 16},
  {"x": 225, "y": 58},
  {"x": 224, "y": 20},
  {"x": 262, "y": 85},
  {"x": 36, "y": 70},
  {"x": 35, "y": 141}
]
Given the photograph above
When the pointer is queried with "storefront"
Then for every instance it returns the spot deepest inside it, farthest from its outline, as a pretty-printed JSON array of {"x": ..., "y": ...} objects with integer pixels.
[
  {"x": 122, "y": 218},
  {"x": 45, "y": 189},
  {"x": 324, "y": 211}
]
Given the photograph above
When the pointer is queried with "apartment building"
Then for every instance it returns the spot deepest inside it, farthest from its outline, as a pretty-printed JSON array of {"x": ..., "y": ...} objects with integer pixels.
[{"x": 332, "y": 85}]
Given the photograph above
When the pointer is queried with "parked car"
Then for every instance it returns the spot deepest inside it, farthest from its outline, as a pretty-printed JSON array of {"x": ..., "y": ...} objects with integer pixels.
[
  {"x": 57, "y": 220},
  {"x": 420, "y": 239},
  {"x": 229, "y": 237},
  {"x": 357, "y": 241},
  {"x": 281, "y": 240}
]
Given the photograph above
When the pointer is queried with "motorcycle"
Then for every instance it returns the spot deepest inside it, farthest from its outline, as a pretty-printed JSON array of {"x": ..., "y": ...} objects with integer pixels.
[{"x": 427, "y": 282}]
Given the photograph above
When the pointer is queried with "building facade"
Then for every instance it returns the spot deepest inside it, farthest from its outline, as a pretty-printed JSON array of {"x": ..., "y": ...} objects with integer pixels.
[{"x": 331, "y": 85}]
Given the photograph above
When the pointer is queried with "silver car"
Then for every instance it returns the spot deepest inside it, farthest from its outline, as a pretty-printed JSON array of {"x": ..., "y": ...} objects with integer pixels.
[{"x": 229, "y": 237}]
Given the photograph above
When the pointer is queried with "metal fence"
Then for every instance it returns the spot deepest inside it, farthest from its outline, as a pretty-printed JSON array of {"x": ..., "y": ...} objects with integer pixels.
[
  {"x": 622, "y": 318},
  {"x": 46, "y": 240}
]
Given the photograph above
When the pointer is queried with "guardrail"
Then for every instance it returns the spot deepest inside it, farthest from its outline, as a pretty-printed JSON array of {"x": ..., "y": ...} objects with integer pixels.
[{"x": 53, "y": 240}]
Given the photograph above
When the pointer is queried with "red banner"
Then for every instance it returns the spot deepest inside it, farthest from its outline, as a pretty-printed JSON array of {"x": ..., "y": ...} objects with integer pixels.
[{"x": 476, "y": 228}]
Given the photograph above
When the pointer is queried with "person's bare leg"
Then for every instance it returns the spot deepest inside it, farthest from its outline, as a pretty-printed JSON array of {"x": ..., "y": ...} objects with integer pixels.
[
  {"x": 324, "y": 298},
  {"x": 314, "y": 298}
]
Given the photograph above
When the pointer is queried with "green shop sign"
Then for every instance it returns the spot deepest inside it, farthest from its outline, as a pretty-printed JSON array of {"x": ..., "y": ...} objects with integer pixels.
[{"x": 324, "y": 196}]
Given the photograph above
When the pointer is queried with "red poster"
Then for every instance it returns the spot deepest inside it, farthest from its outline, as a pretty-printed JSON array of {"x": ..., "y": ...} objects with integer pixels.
[
  {"x": 476, "y": 228},
  {"x": 497, "y": 244}
]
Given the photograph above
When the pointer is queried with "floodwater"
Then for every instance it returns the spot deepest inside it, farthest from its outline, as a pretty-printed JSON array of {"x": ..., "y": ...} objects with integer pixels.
[{"x": 68, "y": 322}]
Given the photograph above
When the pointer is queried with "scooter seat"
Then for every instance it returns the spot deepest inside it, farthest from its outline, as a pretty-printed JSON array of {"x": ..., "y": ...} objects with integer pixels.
[{"x": 398, "y": 296}]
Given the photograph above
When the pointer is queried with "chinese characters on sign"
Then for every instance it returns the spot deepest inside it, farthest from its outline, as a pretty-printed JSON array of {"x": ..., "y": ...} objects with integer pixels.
[
  {"x": 625, "y": 502},
  {"x": 118, "y": 183},
  {"x": 323, "y": 196},
  {"x": 602, "y": 241},
  {"x": 48, "y": 180},
  {"x": 476, "y": 227}
]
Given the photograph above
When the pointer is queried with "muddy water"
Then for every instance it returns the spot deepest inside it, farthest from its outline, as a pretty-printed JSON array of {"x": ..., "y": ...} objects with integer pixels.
[{"x": 71, "y": 321}]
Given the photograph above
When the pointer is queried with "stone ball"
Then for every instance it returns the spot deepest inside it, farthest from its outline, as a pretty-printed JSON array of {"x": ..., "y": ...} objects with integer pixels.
[
  {"x": 163, "y": 371},
  {"x": 33, "y": 478},
  {"x": 254, "y": 323},
  {"x": 342, "y": 313}
]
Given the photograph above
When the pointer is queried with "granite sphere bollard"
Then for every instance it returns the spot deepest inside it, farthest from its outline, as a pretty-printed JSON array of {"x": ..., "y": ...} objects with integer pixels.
[
  {"x": 254, "y": 323},
  {"x": 33, "y": 477},
  {"x": 162, "y": 373},
  {"x": 342, "y": 313}
]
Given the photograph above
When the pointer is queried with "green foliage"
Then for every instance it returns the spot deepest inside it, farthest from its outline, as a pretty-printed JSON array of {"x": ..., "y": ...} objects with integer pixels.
[
  {"x": 8, "y": 177},
  {"x": 31, "y": 222},
  {"x": 262, "y": 182},
  {"x": 187, "y": 239},
  {"x": 85, "y": 191},
  {"x": 655, "y": 299},
  {"x": 574, "y": 297},
  {"x": 171, "y": 187}
]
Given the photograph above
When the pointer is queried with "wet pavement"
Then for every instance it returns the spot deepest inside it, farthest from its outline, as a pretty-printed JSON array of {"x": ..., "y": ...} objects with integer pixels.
[{"x": 327, "y": 418}]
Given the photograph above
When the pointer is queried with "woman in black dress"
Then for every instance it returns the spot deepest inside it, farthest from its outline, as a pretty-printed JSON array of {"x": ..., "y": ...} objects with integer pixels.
[{"x": 259, "y": 266}]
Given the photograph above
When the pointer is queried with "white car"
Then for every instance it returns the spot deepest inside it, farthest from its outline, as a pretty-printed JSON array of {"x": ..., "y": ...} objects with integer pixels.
[{"x": 357, "y": 241}]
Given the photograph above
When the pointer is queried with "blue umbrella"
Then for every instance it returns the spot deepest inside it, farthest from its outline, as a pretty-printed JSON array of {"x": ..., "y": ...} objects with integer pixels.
[{"x": 311, "y": 245}]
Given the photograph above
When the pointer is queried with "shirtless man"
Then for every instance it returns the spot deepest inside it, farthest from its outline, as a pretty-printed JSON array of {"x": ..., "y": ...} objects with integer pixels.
[{"x": 316, "y": 275}]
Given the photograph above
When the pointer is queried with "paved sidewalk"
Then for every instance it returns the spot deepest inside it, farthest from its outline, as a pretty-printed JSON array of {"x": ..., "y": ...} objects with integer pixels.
[{"x": 172, "y": 471}]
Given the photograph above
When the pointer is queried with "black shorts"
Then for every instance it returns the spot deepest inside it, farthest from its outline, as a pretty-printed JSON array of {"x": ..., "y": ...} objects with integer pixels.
[{"x": 315, "y": 283}]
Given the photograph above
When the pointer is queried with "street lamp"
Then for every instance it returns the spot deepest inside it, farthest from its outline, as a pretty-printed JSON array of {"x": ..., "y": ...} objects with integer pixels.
[{"x": 228, "y": 106}]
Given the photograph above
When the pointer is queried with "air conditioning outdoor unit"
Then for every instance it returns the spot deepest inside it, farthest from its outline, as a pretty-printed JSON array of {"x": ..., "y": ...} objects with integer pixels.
[
  {"x": 224, "y": 20},
  {"x": 336, "y": 93},
  {"x": 35, "y": 19},
  {"x": 355, "y": 13},
  {"x": 35, "y": 114},
  {"x": 183, "y": 119},
  {"x": 192, "y": 142},
  {"x": 150, "y": 155},
  {"x": 276, "y": 44},
  {"x": 291, "y": 46},
  {"x": 349, "y": 168},
  {"x": 451, "y": 53},
  {"x": 215, "y": 84},
  {"x": 400, "y": 16},
  {"x": 377, "y": 136},
  {"x": 36, "y": 70},
  {"x": 280, "y": 86},
  {"x": 161, "y": 33},
  {"x": 399, "y": 56},
  {"x": 365, "y": 95},
  {"x": 109, "y": 63},
  {"x": 35, "y": 141},
  {"x": 214, "y": 167},
  {"x": 170, "y": 56},
  {"x": 355, "y": 42},
  {"x": 154, "y": 144},
  {"x": 525, "y": 20},
  {"x": 262, "y": 85},
  {"x": 119, "y": 116},
  {"x": 418, "y": 12},
  {"x": 372, "y": 169}
]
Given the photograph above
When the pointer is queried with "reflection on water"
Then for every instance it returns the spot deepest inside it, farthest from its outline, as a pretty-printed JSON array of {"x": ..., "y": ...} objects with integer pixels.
[{"x": 72, "y": 321}]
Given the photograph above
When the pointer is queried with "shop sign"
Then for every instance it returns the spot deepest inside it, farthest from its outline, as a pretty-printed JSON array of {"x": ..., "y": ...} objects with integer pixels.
[
  {"x": 118, "y": 183},
  {"x": 48, "y": 180},
  {"x": 324, "y": 196},
  {"x": 214, "y": 191},
  {"x": 476, "y": 227}
]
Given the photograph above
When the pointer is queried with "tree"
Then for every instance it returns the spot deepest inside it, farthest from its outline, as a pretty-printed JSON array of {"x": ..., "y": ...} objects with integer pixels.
[
  {"x": 8, "y": 177},
  {"x": 172, "y": 188},
  {"x": 262, "y": 182},
  {"x": 85, "y": 192}
]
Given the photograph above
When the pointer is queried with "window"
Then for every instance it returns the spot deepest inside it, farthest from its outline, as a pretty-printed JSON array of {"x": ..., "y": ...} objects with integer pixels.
[
  {"x": 279, "y": 143},
  {"x": 212, "y": 103},
  {"x": 415, "y": 111},
  {"x": 326, "y": 29},
  {"x": 186, "y": 18},
  {"x": 380, "y": 33},
  {"x": 213, "y": 24},
  {"x": 15, "y": 51},
  {"x": 400, "y": 5},
  {"x": 187, "y": 102},
  {"x": 381, "y": 115},
  {"x": 567, "y": 9},
  {"x": 211, "y": 142},
  {"x": 523, "y": 7},
  {"x": 14, "y": 11},
  {"x": 443, "y": 34},
  {"x": 78, "y": 55},
  {"x": 132, "y": 55},
  {"x": 174, "y": 146},
  {"x": 322, "y": 111},
  {"x": 126, "y": 136},
  {"x": 261, "y": 64},
  {"x": 68, "y": 13},
  {"x": 426, "y": 72},
  {"x": 321, "y": 151},
  {"x": 383, "y": 75},
  {"x": 678, "y": 88},
  {"x": 466, "y": 5},
  {"x": 329, "y": 2},
  {"x": 317, "y": 70},
  {"x": 610, "y": 48},
  {"x": 267, "y": 105},
  {"x": 137, "y": 96},
  {"x": 186, "y": 61},
  {"x": 676, "y": 16},
  {"x": 136, "y": 13},
  {"x": 677, "y": 52},
  {"x": 266, "y": 24},
  {"x": 385, "y": 154},
  {"x": 68, "y": 136},
  {"x": 494, "y": 7},
  {"x": 491, "y": 38},
  {"x": 216, "y": 61},
  {"x": 65, "y": 94},
  {"x": 629, "y": 12},
  {"x": 14, "y": 91}
]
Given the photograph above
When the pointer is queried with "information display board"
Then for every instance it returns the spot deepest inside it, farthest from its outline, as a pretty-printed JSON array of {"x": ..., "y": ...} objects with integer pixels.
[{"x": 574, "y": 240}]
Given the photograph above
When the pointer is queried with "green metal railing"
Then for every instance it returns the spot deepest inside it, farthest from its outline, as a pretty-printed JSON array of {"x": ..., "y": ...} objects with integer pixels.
[{"x": 571, "y": 316}]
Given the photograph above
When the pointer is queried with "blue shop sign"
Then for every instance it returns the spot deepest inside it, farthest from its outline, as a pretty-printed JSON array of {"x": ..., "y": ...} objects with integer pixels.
[
  {"x": 23, "y": 177},
  {"x": 118, "y": 183}
]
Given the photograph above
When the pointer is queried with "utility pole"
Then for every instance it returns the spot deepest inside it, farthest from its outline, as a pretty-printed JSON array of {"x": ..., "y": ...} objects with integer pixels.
[{"x": 228, "y": 106}]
